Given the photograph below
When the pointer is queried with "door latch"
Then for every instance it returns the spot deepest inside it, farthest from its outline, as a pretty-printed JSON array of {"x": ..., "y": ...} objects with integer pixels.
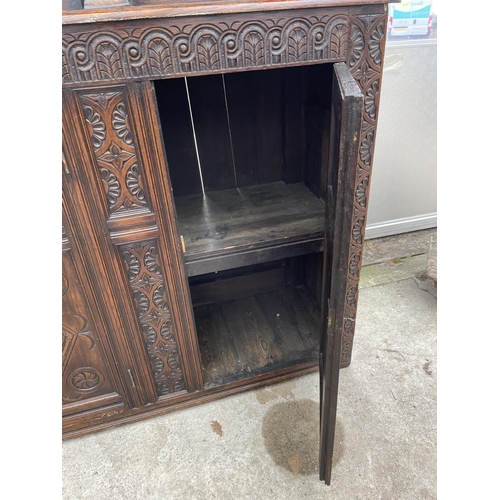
[
  {"x": 131, "y": 377},
  {"x": 65, "y": 163}
]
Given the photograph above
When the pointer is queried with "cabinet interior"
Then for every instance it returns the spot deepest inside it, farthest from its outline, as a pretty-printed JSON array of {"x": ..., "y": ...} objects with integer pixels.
[{"x": 247, "y": 157}]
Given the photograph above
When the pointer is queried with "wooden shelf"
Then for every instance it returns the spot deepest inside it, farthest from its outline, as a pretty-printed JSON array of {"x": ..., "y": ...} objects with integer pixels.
[
  {"x": 239, "y": 227},
  {"x": 258, "y": 334}
]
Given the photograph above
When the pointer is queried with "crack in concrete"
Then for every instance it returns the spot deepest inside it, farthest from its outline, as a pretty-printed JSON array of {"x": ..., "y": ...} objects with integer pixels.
[
  {"x": 403, "y": 354},
  {"x": 420, "y": 280}
]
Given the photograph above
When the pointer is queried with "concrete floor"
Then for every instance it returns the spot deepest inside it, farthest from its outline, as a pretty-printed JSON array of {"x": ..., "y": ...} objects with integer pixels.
[{"x": 263, "y": 444}]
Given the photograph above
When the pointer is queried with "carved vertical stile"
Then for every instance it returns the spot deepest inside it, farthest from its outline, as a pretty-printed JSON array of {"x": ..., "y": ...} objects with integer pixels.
[
  {"x": 145, "y": 116},
  {"x": 365, "y": 63},
  {"x": 149, "y": 292}
]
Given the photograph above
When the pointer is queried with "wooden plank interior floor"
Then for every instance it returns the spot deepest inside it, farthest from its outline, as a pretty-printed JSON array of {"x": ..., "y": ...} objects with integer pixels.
[
  {"x": 253, "y": 335},
  {"x": 264, "y": 215}
]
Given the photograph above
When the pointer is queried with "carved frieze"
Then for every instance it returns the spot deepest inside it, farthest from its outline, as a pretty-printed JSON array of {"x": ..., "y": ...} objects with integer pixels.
[{"x": 179, "y": 48}]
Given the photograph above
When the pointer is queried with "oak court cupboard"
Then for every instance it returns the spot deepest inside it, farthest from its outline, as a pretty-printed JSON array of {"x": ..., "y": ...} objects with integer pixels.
[{"x": 216, "y": 167}]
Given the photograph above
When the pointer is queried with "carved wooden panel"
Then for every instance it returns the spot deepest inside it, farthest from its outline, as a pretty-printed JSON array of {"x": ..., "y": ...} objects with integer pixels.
[
  {"x": 120, "y": 142},
  {"x": 175, "y": 47},
  {"x": 85, "y": 372},
  {"x": 121, "y": 148},
  {"x": 145, "y": 275},
  {"x": 178, "y": 47},
  {"x": 108, "y": 125},
  {"x": 87, "y": 216},
  {"x": 365, "y": 63}
]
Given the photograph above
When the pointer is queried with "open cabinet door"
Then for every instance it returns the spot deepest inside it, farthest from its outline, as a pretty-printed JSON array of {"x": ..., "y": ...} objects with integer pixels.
[{"x": 347, "y": 105}]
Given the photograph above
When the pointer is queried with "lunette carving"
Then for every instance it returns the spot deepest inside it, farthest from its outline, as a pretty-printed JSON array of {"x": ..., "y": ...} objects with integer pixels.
[
  {"x": 149, "y": 293},
  {"x": 176, "y": 49}
]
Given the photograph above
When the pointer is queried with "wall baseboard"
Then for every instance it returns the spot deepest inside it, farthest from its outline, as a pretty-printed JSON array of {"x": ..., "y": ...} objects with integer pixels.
[{"x": 397, "y": 226}]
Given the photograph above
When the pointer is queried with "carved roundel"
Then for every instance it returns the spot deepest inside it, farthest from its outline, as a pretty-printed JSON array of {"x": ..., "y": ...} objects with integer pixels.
[{"x": 85, "y": 380}]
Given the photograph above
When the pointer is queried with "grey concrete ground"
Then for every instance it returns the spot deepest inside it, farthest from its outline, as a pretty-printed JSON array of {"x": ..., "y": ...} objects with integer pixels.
[{"x": 263, "y": 444}]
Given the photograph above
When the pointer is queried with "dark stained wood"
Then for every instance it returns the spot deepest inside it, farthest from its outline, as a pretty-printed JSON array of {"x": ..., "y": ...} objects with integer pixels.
[
  {"x": 127, "y": 230},
  {"x": 208, "y": 105},
  {"x": 177, "y": 135},
  {"x": 294, "y": 316},
  {"x": 347, "y": 108},
  {"x": 107, "y": 4},
  {"x": 92, "y": 403},
  {"x": 237, "y": 287},
  {"x": 316, "y": 123},
  {"x": 253, "y": 256},
  {"x": 227, "y": 222},
  {"x": 88, "y": 378},
  {"x": 175, "y": 291},
  {"x": 86, "y": 225},
  {"x": 120, "y": 120},
  {"x": 156, "y": 49},
  {"x": 313, "y": 275},
  {"x": 120, "y": 416},
  {"x": 266, "y": 99},
  {"x": 294, "y": 126},
  {"x": 310, "y": 276},
  {"x": 219, "y": 356},
  {"x": 248, "y": 336},
  {"x": 122, "y": 223},
  {"x": 241, "y": 97},
  {"x": 154, "y": 9}
]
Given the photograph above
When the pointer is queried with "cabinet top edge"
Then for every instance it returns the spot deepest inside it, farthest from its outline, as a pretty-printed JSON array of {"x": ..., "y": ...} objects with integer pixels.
[{"x": 202, "y": 7}]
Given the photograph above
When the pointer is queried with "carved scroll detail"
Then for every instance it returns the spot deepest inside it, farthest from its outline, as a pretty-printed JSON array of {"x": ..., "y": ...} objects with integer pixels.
[
  {"x": 151, "y": 302},
  {"x": 180, "y": 49}
]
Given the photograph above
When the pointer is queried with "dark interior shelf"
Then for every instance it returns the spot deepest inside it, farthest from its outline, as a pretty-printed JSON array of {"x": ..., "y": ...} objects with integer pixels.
[
  {"x": 243, "y": 226},
  {"x": 257, "y": 334}
]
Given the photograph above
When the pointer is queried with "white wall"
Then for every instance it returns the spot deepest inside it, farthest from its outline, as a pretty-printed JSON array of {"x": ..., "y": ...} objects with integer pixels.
[{"x": 403, "y": 194}]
